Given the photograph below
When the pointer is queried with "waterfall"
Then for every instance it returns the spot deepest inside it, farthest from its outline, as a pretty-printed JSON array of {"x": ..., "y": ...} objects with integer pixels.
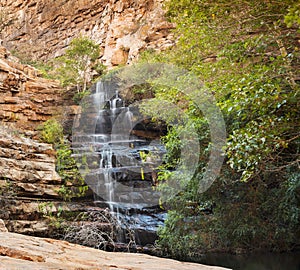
[{"x": 113, "y": 167}]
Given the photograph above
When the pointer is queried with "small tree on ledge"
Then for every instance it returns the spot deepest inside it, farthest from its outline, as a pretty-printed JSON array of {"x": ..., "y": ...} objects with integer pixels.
[{"x": 79, "y": 64}]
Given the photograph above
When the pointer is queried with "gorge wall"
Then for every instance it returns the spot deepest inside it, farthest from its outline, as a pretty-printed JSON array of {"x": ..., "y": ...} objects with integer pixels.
[
  {"x": 42, "y": 29},
  {"x": 28, "y": 178}
]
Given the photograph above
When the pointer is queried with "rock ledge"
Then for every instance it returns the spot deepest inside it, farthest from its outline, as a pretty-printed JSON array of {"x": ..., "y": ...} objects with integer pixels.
[{"x": 26, "y": 252}]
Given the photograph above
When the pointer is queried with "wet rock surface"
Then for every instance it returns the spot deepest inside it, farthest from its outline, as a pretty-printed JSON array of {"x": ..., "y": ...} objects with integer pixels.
[{"x": 120, "y": 167}]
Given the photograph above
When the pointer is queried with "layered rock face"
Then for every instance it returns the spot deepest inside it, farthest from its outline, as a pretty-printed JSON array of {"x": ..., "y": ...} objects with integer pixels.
[
  {"x": 26, "y": 99},
  {"x": 29, "y": 164},
  {"x": 29, "y": 185},
  {"x": 27, "y": 171},
  {"x": 122, "y": 28},
  {"x": 27, "y": 167}
]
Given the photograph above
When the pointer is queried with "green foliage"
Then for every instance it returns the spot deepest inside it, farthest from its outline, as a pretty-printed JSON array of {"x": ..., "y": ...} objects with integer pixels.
[
  {"x": 45, "y": 69},
  {"x": 232, "y": 217},
  {"x": 248, "y": 59},
  {"x": 51, "y": 132},
  {"x": 7, "y": 188},
  {"x": 73, "y": 183},
  {"x": 79, "y": 64},
  {"x": 79, "y": 96},
  {"x": 293, "y": 16},
  {"x": 67, "y": 168},
  {"x": 52, "y": 214}
]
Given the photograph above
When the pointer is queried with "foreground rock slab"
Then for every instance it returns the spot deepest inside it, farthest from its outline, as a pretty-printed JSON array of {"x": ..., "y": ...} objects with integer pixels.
[{"x": 26, "y": 252}]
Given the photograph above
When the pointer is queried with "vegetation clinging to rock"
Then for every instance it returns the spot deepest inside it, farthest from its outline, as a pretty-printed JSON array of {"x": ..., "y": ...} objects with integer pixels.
[
  {"x": 79, "y": 66},
  {"x": 73, "y": 183}
]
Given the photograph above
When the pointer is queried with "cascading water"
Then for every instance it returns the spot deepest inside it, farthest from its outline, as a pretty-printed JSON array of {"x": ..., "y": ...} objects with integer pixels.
[{"x": 112, "y": 160}]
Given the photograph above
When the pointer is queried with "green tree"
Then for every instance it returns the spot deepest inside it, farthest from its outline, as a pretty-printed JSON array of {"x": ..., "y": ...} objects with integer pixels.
[
  {"x": 248, "y": 58},
  {"x": 79, "y": 64}
]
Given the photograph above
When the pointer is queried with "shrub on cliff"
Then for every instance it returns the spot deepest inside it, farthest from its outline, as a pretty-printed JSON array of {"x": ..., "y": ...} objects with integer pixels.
[
  {"x": 51, "y": 132},
  {"x": 79, "y": 65}
]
